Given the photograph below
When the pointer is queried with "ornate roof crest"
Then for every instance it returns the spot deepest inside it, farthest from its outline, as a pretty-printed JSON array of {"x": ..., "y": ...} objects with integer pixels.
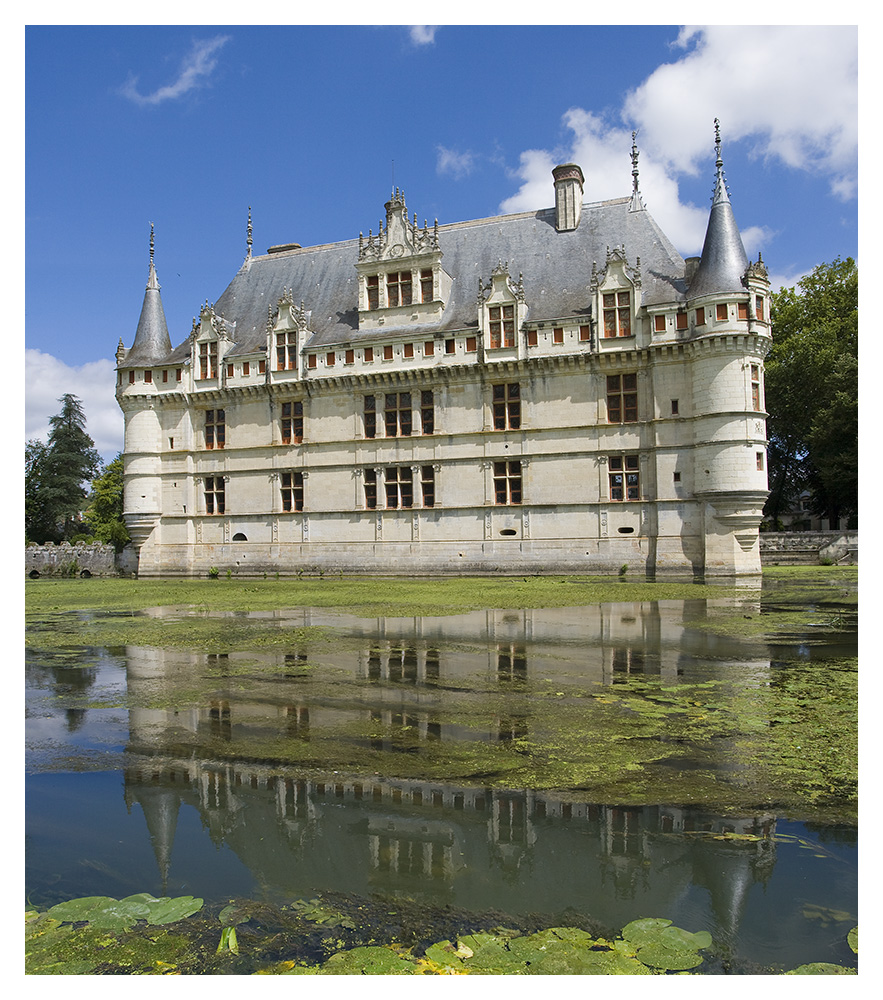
[{"x": 399, "y": 237}]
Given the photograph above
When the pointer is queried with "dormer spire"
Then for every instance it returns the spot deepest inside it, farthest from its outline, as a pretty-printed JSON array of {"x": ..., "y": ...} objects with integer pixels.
[{"x": 248, "y": 239}]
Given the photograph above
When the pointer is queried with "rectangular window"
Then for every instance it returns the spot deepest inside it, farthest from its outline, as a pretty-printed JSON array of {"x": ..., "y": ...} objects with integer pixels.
[
  {"x": 675, "y": 407},
  {"x": 427, "y": 485},
  {"x": 622, "y": 398},
  {"x": 208, "y": 360},
  {"x": 742, "y": 310},
  {"x": 450, "y": 346},
  {"x": 617, "y": 314},
  {"x": 756, "y": 403},
  {"x": 398, "y": 289},
  {"x": 507, "y": 406},
  {"x": 368, "y": 354},
  {"x": 397, "y": 414},
  {"x": 426, "y": 285},
  {"x": 399, "y": 486},
  {"x": 471, "y": 344},
  {"x": 558, "y": 335},
  {"x": 262, "y": 367},
  {"x": 721, "y": 311},
  {"x": 311, "y": 361},
  {"x": 165, "y": 375},
  {"x": 507, "y": 482},
  {"x": 131, "y": 378},
  {"x": 427, "y": 412},
  {"x": 286, "y": 351},
  {"x": 214, "y": 495},
  {"x": 502, "y": 326},
  {"x": 349, "y": 357},
  {"x": 229, "y": 371},
  {"x": 531, "y": 338},
  {"x": 148, "y": 376},
  {"x": 760, "y": 461},
  {"x": 370, "y": 478},
  {"x": 585, "y": 332},
  {"x": 429, "y": 349},
  {"x": 178, "y": 374},
  {"x": 372, "y": 283},
  {"x": 659, "y": 324},
  {"x": 215, "y": 429},
  {"x": 680, "y": 321},
  {"x": 624, "y": 477},
  {"x": 758, "y": 307},
  {"x": 292, "y": 422},
  {"x": 330, "y": 359},
  {"x": 370, "y": 417},
  {"x": 292, "y": 491},
  {"x": 700, "y": 316},
  {"x": 246, "y": 368},
  {"x": 408, "y": 350},
  {"x": 387, "y": 352}
]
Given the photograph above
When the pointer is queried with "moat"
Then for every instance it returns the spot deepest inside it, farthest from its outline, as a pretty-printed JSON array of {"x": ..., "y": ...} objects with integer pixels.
[{"x": 692, "y": 759}]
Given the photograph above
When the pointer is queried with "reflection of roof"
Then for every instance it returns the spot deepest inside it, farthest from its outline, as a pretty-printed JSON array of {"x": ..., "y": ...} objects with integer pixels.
[{"x": 556, "y": 267}]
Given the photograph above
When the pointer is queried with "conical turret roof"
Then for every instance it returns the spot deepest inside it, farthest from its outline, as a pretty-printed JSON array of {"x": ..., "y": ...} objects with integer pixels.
[
  {"x": 152, "y": 341},
  {"x": 724, "y": 261}
]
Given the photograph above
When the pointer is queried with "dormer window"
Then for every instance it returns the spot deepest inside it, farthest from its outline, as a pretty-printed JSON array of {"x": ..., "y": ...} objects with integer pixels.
[
  {"x": 426, "y": 285},
  {"x": 372, "y": 283},
  {"x": 617, "y": 314},
  {"x": 502, "y": 325},
  {"x": 398, "y": 288},
  {"x": 286, "y": 351},
  {"x": 208, "y": 359}
]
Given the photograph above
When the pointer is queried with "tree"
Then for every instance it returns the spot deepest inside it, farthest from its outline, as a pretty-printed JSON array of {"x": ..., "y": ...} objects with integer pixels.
[
  {"x": 56, "y": 474},
  {"x": 105, "y": 512},
  {"x": 812, "y": 394}
]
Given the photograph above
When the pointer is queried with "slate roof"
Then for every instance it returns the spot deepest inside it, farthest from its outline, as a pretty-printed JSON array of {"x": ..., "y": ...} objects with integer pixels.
[{"x": 556, "y": 269}]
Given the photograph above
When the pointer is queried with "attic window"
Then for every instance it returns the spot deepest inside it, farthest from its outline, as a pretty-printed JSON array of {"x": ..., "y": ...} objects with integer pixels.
[
  {"x": 398, "y": 288},
  {"x": 208, "y": 359},
  {"x": 617, "y": 314},
  {"x": 426, "y": 285},
  {"x": 502, "y": 325}
]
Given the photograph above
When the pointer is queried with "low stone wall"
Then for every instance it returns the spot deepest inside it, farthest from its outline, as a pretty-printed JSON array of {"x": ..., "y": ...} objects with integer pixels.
[
  {"x": 97, "y": 559},
  {"x": 785, "y": 548}
]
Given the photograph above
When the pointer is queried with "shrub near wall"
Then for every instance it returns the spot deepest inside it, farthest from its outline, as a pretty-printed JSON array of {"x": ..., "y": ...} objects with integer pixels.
[{"x": 66, "y": 560}]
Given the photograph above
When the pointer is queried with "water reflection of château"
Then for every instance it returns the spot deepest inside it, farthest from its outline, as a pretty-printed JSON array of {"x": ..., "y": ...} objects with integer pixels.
[{"x": 300, "y": 831}]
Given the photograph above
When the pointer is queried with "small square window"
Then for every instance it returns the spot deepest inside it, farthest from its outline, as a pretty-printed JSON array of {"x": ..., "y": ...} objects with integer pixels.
[
  {"x": 387, "y": 352},
  {"x": 722, "y": 311},
  {"x": 311, "y": 361},
  {"x": 229, "y": 371},
  {"x": 531, "y": 338},
  {"x": 742, "y": 309},
  {"x": 131, "y": 378},
  {"x": 330, "y": 359},
  {"x": 677, "y": 477},
  {"x": 368, "y": 354},
  {"x": 409, "y": 350},
  {"x": 674, "y": 407},
  {"x": 165, "y": 375},
  {"x": 262, "y": 367},
  {"x": 558, "y": 335},
  {"x": 429, "y": 349},
  {"x": 471, "y": 344},
  {"x": 148, "y": 376},
  {"x": 246, "y": 368},
  {"x": 178, "y": 374},
  {"x": 681, "y": 321},
  {"x": 585, "y": 332},
  {"x": 760, "y": 461},
  {"x": 700, "y": 316},
  {"x": 450, "y": 346}
]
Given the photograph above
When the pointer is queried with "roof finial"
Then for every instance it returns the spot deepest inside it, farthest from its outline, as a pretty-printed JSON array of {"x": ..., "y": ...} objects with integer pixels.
[
  {"x": 151, "y": 245},
  {"x": 717, "y": 142},
  {"x": 720, "y": 179},
  {"x": 248, "y": 239},
  {"x": 636, "y": 204}
]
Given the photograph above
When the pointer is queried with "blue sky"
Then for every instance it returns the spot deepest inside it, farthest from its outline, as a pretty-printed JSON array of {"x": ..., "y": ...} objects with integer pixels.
[{"x": 188, "y": 126}]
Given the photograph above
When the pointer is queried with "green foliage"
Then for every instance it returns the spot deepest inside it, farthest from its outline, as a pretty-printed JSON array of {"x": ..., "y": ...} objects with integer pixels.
[
  {"x": 55, "y": 474},
  {"x": 812, "y": 394},
  {"x": 104, "y": 514}
]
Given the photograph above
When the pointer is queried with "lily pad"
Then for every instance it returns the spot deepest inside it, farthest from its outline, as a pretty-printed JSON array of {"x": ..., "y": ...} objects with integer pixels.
[
  {"x": 166, "y": 911},
  {"x": 658, "y": 955},
  {"x": 644, "y": 930},
  {"x": 852, "y": 939},
  {"x": 369, "y": 961},
  {"x": 821, "y": 969}
]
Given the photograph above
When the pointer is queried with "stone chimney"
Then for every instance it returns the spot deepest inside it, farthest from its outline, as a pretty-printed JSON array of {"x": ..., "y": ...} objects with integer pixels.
[{"x": 569, "y": 182}]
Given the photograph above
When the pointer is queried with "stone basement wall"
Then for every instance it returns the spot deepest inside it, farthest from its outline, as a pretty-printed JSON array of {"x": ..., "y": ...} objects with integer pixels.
[
  {"x": 790, "y": 548},
  {"x": 97, "y": 559}
]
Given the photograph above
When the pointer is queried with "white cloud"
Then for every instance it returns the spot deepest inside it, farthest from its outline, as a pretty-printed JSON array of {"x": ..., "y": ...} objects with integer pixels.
[
  {"x": 47, "y": 379},
  {"x": 195, "y": 68},
  {"x": 423, "y": 34},
  {"x": 790, "y": 91},
  {"x": 449, "y": 161}
]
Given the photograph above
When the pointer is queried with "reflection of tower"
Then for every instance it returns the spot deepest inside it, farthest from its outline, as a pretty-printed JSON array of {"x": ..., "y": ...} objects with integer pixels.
[{"x": 160, "y": 806}]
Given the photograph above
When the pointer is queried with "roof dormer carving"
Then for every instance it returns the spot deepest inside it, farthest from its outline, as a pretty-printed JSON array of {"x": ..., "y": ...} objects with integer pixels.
[
  {"x": 287, "y": 316},
  {"x": 615, "y": 265},
  {"x": 399, "y": 238},
  {"x": 211, "y": 325},
  {"x": 502, "y": 311},
  {"x": 500, "y": 286}
]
